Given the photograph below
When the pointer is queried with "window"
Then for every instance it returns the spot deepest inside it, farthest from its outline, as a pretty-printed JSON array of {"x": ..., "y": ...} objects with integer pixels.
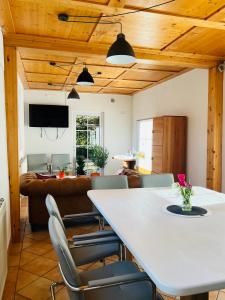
[
  {"x": 88, "y": 133},
  {"x": 144, "y": 162}
]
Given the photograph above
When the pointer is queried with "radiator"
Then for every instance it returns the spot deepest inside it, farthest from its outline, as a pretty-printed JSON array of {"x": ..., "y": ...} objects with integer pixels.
[{"x": 3, "y": 245}]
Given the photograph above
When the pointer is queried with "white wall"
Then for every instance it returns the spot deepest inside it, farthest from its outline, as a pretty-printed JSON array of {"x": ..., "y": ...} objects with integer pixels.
[
  {"x": 184, "y": 95},
  {"x": 5, "y": 231},
  {"x": 117, "y": 123}
]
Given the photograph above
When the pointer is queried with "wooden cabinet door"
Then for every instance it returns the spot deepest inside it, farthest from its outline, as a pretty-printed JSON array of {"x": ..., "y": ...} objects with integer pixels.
[
  {"x": 157, "y": 137},
  {"x": 157, "y": 159}
]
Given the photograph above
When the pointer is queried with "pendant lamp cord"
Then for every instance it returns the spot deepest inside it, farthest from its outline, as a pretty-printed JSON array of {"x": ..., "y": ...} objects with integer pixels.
[{"x": 125, "y": 13}]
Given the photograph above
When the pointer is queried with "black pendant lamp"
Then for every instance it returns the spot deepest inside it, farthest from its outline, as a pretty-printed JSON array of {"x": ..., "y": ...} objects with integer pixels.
[
  {"x": 120, "y": 52},
  {"x": 85, "y": 78},
  {"x": 73, "y": 94}
]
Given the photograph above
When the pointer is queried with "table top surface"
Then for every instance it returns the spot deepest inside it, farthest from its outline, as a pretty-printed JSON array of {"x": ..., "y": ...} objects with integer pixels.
[{"x": 182, "y": 255}]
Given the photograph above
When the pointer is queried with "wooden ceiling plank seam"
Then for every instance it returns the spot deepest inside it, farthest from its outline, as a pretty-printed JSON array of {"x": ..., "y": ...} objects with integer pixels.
[
  {"x": 94, "y": 29},
  {"x": 21, "y": 71},
  {"x": 112, "y": 3},
  {"x": 165, "y": 79},
  {"x": 97, "y": 86},
  {"x": 182, "y": 35},
  {"x": 177, "y": 38},
  {"x": 71, "y": 70}
]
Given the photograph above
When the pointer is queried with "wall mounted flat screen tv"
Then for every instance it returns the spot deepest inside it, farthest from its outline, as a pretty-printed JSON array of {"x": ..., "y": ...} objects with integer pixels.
[{"x": 55, "y": 116}]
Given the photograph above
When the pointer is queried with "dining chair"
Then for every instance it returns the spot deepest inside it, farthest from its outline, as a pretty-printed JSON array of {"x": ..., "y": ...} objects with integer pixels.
[
  {"x": 37, "y": 163},
  {"x": 103, "y": 183},
  {"x": 90, "y": 250},
  {"x": 108, "y": 182},
  {"x": 120, "y": 280},
  {"x": 53, "y": 210},
  {"x": 59, "y": 161},
  {"x": 156, "y": 180}
]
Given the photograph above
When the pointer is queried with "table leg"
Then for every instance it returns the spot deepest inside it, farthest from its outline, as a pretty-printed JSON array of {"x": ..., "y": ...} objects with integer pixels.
[{"x": 204, "y": 296}]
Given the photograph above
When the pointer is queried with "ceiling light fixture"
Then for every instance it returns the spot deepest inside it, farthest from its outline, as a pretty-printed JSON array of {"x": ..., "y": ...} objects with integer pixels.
[
  {"x": 85, "y": 78},
  {"x": 120, "y": 52},
  {"x": 73, "y": 94}
]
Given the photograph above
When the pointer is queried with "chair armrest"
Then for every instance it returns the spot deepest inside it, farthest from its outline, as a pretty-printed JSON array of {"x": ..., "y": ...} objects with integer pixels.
[
  {"x": 95, "y": 242},
  {"x": 93, "y": 235},
  {"x": 118, "y": 280},
  {"x": 81, "y": 216},
  {"x": 111, "y": 281}
]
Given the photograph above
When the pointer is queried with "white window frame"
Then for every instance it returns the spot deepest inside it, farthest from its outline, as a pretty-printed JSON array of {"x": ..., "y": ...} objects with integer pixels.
[
  {"x": 85, "y": 113},
  {"x": 138, "y": 143}
]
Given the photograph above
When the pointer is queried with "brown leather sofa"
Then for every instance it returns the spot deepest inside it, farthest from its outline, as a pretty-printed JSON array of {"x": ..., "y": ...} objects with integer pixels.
[{"x": 69, "y": 193}]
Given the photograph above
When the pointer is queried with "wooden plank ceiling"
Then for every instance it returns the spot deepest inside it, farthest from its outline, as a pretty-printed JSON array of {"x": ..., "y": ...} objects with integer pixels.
[{"x": 168, "y": 41}]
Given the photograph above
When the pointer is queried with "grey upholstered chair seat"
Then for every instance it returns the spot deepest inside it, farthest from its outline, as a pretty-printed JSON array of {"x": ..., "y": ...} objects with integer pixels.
[
  {"x": 86, "y": 255},
  {"x": 133, "y": 291}
]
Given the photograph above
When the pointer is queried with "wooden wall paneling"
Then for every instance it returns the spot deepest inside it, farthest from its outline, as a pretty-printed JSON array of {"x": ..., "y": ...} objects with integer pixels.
[
  {"x": 12, "y": 138},
  {"x": 215, "y": 120}
]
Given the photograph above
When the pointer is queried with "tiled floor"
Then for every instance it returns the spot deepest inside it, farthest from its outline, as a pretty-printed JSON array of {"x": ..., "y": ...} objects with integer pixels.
[{"x": 33, "y": 265}]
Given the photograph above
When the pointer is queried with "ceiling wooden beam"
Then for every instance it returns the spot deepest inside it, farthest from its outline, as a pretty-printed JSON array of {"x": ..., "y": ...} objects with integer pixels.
[
  {"x": 143, "y": 55},
  {"x": 174, "y": 18}
]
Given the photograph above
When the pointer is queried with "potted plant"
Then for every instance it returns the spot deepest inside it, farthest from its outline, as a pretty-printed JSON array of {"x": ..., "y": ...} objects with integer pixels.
[
  {"x": 99, "y": 157},
  {"x": 61, "y": 173},
  {"x": 80, "y": 164}
]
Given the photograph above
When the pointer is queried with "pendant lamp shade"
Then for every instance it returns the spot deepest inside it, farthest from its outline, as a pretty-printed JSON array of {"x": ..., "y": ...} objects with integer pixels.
[
  {"x": 85, "y": 78},
  {"x": 73, "y": 94},
  {"x": 120, "y": 52}
]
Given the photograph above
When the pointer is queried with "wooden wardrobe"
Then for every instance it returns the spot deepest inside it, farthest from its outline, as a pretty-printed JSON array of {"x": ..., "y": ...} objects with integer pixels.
[{"x": 169, "y": 145}]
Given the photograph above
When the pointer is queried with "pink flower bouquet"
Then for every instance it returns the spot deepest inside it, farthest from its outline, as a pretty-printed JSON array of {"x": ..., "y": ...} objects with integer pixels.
[{"x": 186, "y": 191}]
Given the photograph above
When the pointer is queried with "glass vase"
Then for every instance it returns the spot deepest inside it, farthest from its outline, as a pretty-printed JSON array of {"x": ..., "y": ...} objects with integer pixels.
[{"x": 186, "y": 205}]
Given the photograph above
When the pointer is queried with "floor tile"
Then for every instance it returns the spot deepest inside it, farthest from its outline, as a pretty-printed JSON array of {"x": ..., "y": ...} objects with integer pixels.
[
  {"x": 10, "y": 285},
  {"x": 25, "y": 278},
  {"x": 62, "y": 294},
  {"x": 15, "y": 248},
  {"x": 27, "y": 257},
  {"x": 38, "y": 290},
  {"x": 19, "y": 297},
  {"x": 51, "y": 255},
  {"x": 53, "y": 275},
  {"x": 14, "y": 260},
  {"x": 39, "y": 248},
  {"x": 40, "y": 266},
  {"x": 39, "y": 235}
]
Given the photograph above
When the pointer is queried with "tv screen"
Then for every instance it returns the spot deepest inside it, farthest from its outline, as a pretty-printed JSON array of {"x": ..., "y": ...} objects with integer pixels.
[{"x": 48, "y": 116}]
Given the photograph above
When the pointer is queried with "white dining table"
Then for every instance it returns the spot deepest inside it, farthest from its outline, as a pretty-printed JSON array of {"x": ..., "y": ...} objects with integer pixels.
[{"x": 184, "y": 256}]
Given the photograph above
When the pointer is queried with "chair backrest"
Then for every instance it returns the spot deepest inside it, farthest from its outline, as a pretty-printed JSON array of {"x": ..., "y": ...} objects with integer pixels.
[
  {"x": 37, "y": 162},
  {"x": 66, "y": 261},
  {"x": 109, "y": 182},
  {"x": 60, "y": 161},
  {"x": 157, "y": 180},
  {"x": 53, "y": 209}
]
